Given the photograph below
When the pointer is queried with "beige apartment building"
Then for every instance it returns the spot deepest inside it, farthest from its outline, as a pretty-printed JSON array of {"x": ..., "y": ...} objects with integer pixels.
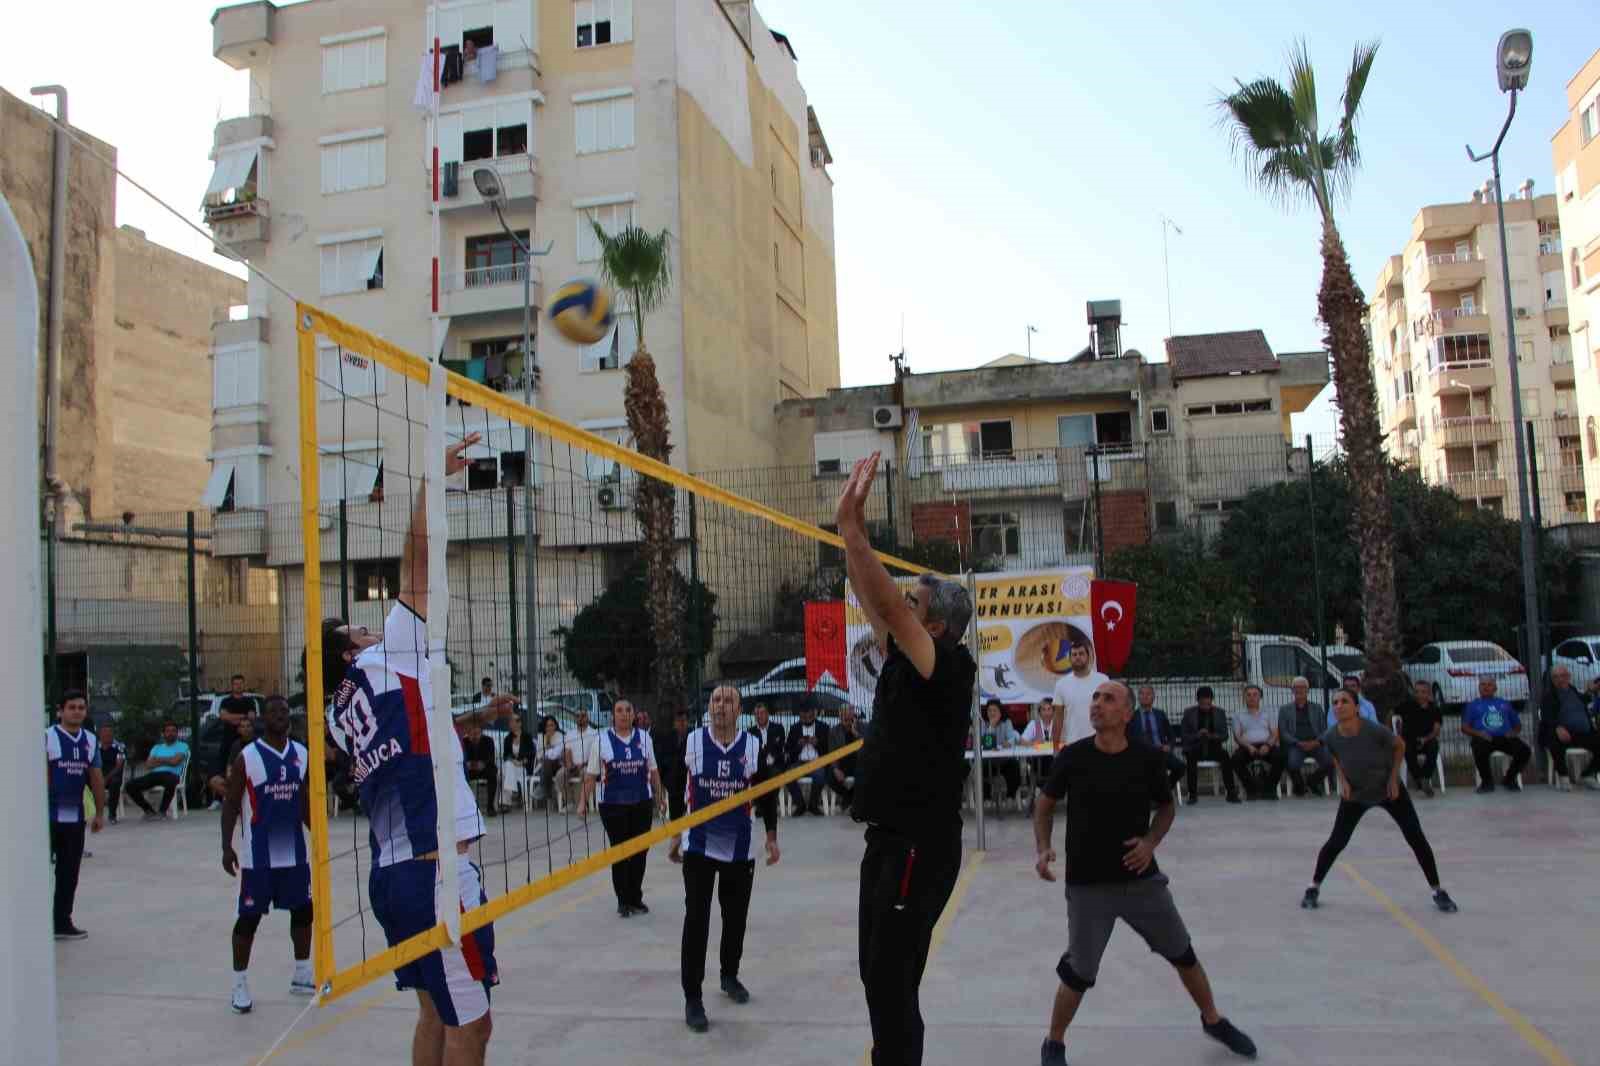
[
  {"x": 1439, "y": 350},
  {"x": 1576, "y": 151}
]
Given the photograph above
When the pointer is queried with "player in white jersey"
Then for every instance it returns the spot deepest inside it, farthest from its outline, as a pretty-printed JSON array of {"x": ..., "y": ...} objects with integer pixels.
[
  {"x": 268, "y": 783},
  {"x": 720, "y": 761}
]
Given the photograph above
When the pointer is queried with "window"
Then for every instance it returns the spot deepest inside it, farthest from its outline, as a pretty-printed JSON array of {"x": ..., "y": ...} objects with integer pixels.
[
  {"x": 603, "y": 125},
  {"x": 614, "y": 349},
  {"x": 598, "y": 467},
  {"x": 989, "y": 440},
  {"x": 354, "y": 162},
  {"x": 236, "y": 376},
  {"x": 611, "y": 217},
  {"x": 492, "y": 258},
  {"x": 1574, "y": 503},
  {"x": 351, "y": 265},
  {"x": 1167, "y": 514},
  {"x": 1075, "y": 431},
  {"x": 376, "y": 579},
  {"x": 491, "y": 129},
  {"x": 1462, "y": 348},
  {"x": 1530, "y": 403},
  {"x": 354, "y": 63},
  {"x": 1589, "y": 121},
  {"x": 997, "y": 533},
  {"x": 1231, "y": 407},
  {"x": 1077, "y": 534},
  {"x": 506, "y": 23},
  {"x": 1160, "y": 420},
  {"x": 1282, "y": 663},
  {"x": 351, "y": 376},
  {"x": 1217, "y": 506},
  {"x": 483, "y": 474},
  {"x": 513, "y": 469},
  {"x": 485, "y": 347},
  {"x": 603, "y": 22},
  {"x": 349, "y": 471}
]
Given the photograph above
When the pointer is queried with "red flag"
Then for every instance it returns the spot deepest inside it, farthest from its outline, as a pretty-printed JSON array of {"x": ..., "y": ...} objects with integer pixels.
[
  {"x": 825, "y": 652},
  {"x": 1111, "y": 606}
]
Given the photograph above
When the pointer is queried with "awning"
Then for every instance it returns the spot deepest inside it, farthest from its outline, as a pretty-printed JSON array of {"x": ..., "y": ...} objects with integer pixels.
[
  {"x": 217, "y": 487},
  {"x": 349, "y": 477},
  {"x": 233, "y": 169},
  {"x": 369, "y": 262}
]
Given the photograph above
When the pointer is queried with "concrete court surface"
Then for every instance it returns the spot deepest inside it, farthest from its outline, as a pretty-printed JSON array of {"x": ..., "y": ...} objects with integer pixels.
[{"x": 1376, "y": 976}]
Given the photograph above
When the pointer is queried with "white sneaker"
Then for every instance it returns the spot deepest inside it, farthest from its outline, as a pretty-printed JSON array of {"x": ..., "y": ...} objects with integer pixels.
[
  {"x": 302, "y": 987},
  {"x": 216, "y": 805},
  {"x": 241, "y": 1003}
]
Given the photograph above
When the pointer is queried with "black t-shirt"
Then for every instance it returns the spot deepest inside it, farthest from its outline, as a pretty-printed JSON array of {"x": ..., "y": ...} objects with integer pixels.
[
  {"x": 1108, "y": 801},
  {"x": 1417, "y": 721},
  {"x": 230, "y": 733},
  {"x": 910, "y": 772}
]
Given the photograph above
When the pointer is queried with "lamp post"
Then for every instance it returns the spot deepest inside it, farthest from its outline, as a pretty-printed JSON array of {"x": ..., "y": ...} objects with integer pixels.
[
  {"x": 489, "y": 186},
  {"x": 1513, "y": 59}
]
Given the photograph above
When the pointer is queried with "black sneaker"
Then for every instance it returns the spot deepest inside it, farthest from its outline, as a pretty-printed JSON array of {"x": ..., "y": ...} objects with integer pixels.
[
  {"x": 624, "y": 911},
  {"x": 639, "y": 908},
  {"x": 1427, "y": 789},
  {"x": 1484, "y": 789},
  {"x": 1233, "y": 797},
  {"x": 734, "y": 990},
  {"x": 1308, "y": 901},
  {"x": 1052, "y": 1053},
  {"x": 69, "y": 932},
  {"x": 1442, "y": 900},
  {"x": 1227, "y": 1035},
  {"x": 1511, "y": 785},
  {"x": 694, "y": 1016}
]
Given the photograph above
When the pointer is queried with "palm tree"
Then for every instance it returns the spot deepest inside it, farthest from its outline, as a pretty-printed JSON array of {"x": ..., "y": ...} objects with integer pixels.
[
  {"x": 639, "y": 264},
  {"x": 1277, "y": 135}
]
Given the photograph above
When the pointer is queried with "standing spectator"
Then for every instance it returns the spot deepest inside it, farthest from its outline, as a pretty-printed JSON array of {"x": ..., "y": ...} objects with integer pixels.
[
  {"x": 1072, "y": 695},
  {"x": 1301, "y": 723},
  {"x": 218, "y": 783},
  {"x": 72, "y": 761},
  {"x": 163, "y": 769},
  {"x": 1420, "y": 726},
  {"x": 482, "y": 763},
  {"x": 999, "y": 735},
  {"x": 235, "y": 709},
  {"x": 1205, "y": 730},
  {"x": 1573, "y": 725},
  {"x": 1352, "y": 685},
  {"x": 517, "y": 754},
  {"x": 641, "y": 719},
  {"x": 486, "y": 691},
  {"x": 808, "y": 742},
  {"x": 841, "y": 775},
  {"x": 555, "y": 759},
  {"x": 623, "y": 770},
  {"x": 669, "y": 744},
  {"x": 1494, "y": 725},
  {"x": 113, "y": 766},
  {"x": 773, "y": 741},
  {"x": 1255, "y": 740},
  {"x": 1152, "y": 728}
]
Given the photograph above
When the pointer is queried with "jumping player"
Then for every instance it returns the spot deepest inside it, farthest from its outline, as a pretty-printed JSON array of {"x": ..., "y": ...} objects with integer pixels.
[
  {"x": 267, "y": 781},
  {"x": 381, "y": 700}
]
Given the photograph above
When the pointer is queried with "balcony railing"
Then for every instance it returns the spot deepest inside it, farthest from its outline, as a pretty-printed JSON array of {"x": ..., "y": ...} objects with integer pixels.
[
  {"x": 235, "y": 209},
  {"x": 1463, "y": 477},
  {"x": 1453, "y": 257},
  {"x": 483, "y": 277}
]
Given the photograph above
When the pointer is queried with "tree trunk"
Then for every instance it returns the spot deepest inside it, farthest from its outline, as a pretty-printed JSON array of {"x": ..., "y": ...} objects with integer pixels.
[
  {"x": 1342, "y": 306},
  {"x": 654, "y": 506}
]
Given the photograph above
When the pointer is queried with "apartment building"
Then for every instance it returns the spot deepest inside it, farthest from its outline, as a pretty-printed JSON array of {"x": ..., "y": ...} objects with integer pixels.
[
  {"x": 1439, "y": 350},
  {"x": 1576, "y": 152}
]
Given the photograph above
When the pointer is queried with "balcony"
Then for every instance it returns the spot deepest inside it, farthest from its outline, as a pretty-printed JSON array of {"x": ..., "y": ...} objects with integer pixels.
[
  {"x": 240, "y": 130},
  {"x": 1404, "y": 415},
  {"x": 1457, "y": 430},
  {"x": 1458, "y": 320},
  {"x": 1570, "y": 473},
  {"x": 1026, "y": 470},
  {"x": 487, "y": 290},
  {"x": 239, "y": 533},
  {"x": 1555, "y": 314},
  {"x": 241, "y": 225},
  {"x": 1475, "y": 484},
  {"x": 1566, "y": 423},
  {"x": 226, "y": 332},
  {"x": 519, "y": 176},
  {"x": 1475, "y": 374},
  {"x": 1561, "y": 371},
  {"x": 1447, "y": 221},
  {"x": 1452, "y": 271},
  {"x": 1391, "y": 279},
  {"x": 241, "y": 35}
]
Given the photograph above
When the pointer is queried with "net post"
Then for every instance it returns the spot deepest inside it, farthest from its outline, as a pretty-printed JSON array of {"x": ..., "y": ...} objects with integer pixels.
[
  {"x": 441, "y": 729},
  {"x": 511, "y": 582},
  {"x": 311, "y": 539},
  {"x": 977, "y": 713}
]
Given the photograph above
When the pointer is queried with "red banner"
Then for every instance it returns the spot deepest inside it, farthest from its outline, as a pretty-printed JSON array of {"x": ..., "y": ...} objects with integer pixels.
[
  {"x": 1111, "y": 607},
  {"x": 825, "y": 643}
]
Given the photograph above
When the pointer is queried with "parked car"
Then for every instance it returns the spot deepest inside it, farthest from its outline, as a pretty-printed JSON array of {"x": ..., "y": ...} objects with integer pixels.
[
  {"x": 1347, "y": 658},
  {"x": 1453, "y": 667},
  {"x": 1580, "y": 655},
  {"x": 785, "y": 698},
  {"x": 793, "y": 670}
]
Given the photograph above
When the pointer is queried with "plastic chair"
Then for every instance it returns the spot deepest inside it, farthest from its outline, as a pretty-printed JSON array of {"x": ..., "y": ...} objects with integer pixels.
[
  {"x": 1216, "y": 774},
  {"x": 1284, "y": 785},
  {"x": 1564, "y": 784},
  {"x": 1497, "y": 759},
  {"x": 1405, "y": 770},
  {"x": 180, "y": 798}
]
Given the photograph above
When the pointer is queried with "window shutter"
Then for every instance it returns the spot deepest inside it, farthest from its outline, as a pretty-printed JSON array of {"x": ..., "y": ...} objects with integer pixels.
[
  {"x": 621, "y": 21},
  {"x": 623, "y": 118},
  {"x": 583, "y": 126}
]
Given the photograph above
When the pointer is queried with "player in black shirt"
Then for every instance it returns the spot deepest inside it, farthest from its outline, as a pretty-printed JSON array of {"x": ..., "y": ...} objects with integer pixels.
[
  {"x": 1110, "y": 786},
  {"x": 909, "y": 775}
]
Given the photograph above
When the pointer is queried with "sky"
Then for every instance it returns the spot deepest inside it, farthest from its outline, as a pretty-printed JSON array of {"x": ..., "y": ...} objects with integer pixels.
[{"x": 996, "y": 167}]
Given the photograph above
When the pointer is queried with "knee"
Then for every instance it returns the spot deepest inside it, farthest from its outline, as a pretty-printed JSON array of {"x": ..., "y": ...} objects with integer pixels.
[
  {"x": 473, "y": 1036},
  {"x": 1071, "y": 978},
  {"x": 300, "y": 917},
  {"x": 1187, "y": 961},
  {"x": 246, "y": 924}
]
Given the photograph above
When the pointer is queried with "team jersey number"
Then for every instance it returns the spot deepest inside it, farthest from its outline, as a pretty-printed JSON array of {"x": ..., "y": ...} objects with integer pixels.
[
  {"x": 358, "y": 722},
  {"x": 724, "y": 768}
]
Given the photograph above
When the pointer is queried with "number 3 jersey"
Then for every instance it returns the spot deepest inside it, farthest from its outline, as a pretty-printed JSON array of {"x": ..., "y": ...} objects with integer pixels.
[
  {"x": 379, "y": 717},
  {"x": 271, "y": 832}
]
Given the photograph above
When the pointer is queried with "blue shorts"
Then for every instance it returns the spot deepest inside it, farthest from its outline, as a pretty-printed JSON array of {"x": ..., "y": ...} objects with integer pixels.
[
  {"x": 405, "y": 899},
  {"x": 279, "y": 888}
]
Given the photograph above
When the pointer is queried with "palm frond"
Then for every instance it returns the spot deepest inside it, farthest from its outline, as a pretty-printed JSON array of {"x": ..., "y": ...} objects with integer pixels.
[
  {"x": 1355, "y": 85},
  {"x": 637, "y": 262},
  {"x": 1264, "y": 135},
  {"x": 1303, "y": 91}
]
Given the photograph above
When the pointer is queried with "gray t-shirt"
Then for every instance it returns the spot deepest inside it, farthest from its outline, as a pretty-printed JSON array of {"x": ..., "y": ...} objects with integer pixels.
[{"x": 1367, "y": 759}]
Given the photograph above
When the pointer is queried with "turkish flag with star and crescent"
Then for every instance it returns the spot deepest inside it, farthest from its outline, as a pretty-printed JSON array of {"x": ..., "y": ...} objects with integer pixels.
[
  {"x": 1111, "y": 607},
  {"x": 825, "y": 640}
]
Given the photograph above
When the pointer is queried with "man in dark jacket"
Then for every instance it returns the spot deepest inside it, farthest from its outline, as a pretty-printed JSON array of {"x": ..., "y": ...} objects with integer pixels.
[
  {"x": 668, "y": 742},
  {"x": 1420, "y": 725},
  {"x": 772, "y": 739},
  {"x": 1151, "y": 727},
  {"x": 1567, "y": 725},
  {"x": 1205, "y": 731},
  {"x": 808, "y": 741}
]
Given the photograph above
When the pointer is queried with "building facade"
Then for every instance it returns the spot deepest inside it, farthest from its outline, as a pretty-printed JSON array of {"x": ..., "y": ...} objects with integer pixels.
[
  {"x": 1439, "y": 349},
  {"x": 1576, "y": 152}
]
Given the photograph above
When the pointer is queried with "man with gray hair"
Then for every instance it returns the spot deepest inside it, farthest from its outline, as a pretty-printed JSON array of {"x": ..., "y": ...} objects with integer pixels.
[
  {"x": 909, "y": 774},
  {"x": 1301, "y": 723}
]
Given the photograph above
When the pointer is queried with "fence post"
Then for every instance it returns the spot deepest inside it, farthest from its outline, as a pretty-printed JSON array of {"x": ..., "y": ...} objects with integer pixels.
[
  {"x": 698, "y": 660},
  {"x": 511, "y": 595},
  {"x": 976, "y": 777},
  {"x": 53, "y": 685},
  {"x": 344, "y": 564},
  {"x": 1099, "y": 520},
  {"x": 1533, "y": 482},
  {"x": 194, "y": 640},
  {"x": 1316, "y": 565},
  {"x": 888, "y": 484}
]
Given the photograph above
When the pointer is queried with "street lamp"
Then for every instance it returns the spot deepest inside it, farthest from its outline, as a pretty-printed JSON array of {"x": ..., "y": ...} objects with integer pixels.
[
  {"x": 492, "y": 190},
  {"x": 1513, "y": 60}
]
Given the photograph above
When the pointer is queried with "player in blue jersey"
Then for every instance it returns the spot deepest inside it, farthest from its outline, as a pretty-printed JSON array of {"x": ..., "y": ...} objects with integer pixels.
[
  {"x": 623, "y": 771},
  {"x": 720, "y": 761},
  {"x": 269, "y": 783},
  {"x": 380, "y": 702},
  {"x": 72, "y": 761}
]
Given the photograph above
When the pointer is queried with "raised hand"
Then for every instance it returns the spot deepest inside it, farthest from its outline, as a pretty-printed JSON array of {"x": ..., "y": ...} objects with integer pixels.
[
  {"x": 455, "y": 459},
  {"x": 851, "y": 511}
]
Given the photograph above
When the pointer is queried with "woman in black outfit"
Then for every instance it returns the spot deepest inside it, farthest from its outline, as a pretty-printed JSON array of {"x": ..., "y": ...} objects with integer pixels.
[{"x": 517, "y": 753}]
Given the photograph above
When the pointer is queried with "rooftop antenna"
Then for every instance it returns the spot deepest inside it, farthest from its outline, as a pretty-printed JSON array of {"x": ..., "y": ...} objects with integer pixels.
[
  {"x": 1166, "y": 269},
  {"x": 1031, "y": 331}
]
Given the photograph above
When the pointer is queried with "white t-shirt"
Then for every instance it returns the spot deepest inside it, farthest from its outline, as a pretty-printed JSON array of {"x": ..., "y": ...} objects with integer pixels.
[
  {"x": 1253, "y": 729},
  {"x": 1038, "y": 730},
  {"x": 553, "y": 748},
  {"x": 808, "y": 742},
  {"x": 583, "y": 744},
  {"x": 1072, "y": 697}
]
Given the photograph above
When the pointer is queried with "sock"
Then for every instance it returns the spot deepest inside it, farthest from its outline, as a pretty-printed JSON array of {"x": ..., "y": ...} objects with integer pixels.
[
  {"x": 302, "y": 970},
  {"x": 240, "y": 979}
]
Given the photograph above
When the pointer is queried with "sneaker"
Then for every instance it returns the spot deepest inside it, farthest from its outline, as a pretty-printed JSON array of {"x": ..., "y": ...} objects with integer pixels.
[
  {"x": 1308, "y": 901},
  {"x": 734, "y": 990},
  {"x": 241, "y": 1001},
  {"x": 1511, "y": 785},
  {"x": 152, "y": 816},
  {"x": 299, "y": 987},
  {"x": 1484, "y": 789},
  {"x": 624, "y": 911},
  {"x": 1442, "y": 900},
  {"x": 1230, "y": 1037},
  {"x": 639, "y": 908},
  {"x": 1052, "y": 1053},
  {"x": 1233, "y": 797},
  {"x": 694, "y": 1016},
  {"x": 69, "y": 932},
  {"x": 1427, "y": 789},
  {"x": 1591, "y": 785},
  {"x": 214, "y": 805}
]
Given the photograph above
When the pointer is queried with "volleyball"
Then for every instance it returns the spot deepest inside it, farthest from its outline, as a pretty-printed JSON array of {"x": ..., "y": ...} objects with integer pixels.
[
  {"x": 582, "y": 311},
  {"x": 1059, "y": 653}
]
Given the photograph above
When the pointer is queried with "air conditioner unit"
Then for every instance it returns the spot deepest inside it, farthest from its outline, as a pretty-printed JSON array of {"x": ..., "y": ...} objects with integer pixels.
[
  {"x": 610, "y": 497},
  {"x": 1522, "y": 312},
  {"x": 887, "y": 416}
]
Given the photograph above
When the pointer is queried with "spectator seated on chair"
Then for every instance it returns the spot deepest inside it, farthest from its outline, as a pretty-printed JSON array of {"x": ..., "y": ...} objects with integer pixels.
[
  {"x": 113, "y": 767},
  {"x": 482, "y": 763},
  {"x": 999, "y": 735},
  {"x": 1301, "y": 723},
  {"x": 1205, "y": 733},
  {"x": 1257, "y": 755},
  {"x": 163, "y": 769},
  {"x": 243, "y": 733},
  {"x": 842, "y": 774},
  {"x": 1420, "y": 725},
  {"x": 1494, "y": 726},
  {"x": 1151, "y": 727},
  {"x": 1571, "y": 724},
  {"x": 1352, "y": 685},
  {"x": 555, "y": 760},
  {"x": 518, "y": 753},
  {"x": 808, "y": 742}
]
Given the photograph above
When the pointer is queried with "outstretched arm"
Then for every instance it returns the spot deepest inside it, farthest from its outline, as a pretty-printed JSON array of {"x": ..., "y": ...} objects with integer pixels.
[
  {"x": 414, "y": 556},
  {"x": 879, "y": 596}
]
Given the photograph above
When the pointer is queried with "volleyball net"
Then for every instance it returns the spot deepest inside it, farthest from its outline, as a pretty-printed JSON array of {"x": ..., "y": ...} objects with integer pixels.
[{"x": 559, "y": 567}]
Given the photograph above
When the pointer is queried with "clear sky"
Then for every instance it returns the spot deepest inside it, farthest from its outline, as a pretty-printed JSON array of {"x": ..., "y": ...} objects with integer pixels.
[{"x": 997, "y": 165}]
